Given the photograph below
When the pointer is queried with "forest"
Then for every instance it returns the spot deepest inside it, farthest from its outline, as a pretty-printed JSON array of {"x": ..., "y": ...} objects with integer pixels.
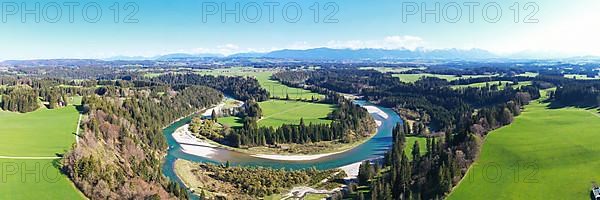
[
  {"x": 122, "y": 144},
  {"x": 580, "y": 94},
  {"x": 241, "y": 88},
  {"x": 460, "y": 128}
]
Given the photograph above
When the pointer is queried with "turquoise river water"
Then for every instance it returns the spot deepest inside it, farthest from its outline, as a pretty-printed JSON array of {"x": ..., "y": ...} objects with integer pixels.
[{"x": 373, "y": 148}]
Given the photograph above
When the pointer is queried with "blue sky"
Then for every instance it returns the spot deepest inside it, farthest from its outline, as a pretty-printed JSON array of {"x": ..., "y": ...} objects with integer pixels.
[{"x": 172, "y": 26}]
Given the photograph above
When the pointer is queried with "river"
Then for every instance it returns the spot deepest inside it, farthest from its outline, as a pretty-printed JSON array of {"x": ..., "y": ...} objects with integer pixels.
[{"x": 373, "y": 148}]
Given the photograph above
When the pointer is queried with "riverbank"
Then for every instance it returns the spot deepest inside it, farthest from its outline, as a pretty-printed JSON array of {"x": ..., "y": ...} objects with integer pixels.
[
  {"x": 192, "y": 145},
  {"x": 377, "y": 111},
  {"x": 351, "y": 170},
  {"x": 231, "y": 182}
]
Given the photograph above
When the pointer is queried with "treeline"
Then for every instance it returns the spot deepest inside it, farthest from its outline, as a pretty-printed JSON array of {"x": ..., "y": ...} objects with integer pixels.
[
  {"x": 19, "y": 99},
  {"x": 27, "y": 94},
  {"x": 241, "y": 88},
  {"x": 349, "y": 123},
  {"x": 122, "y": 144},
  {"x": 581, "y": 94}
]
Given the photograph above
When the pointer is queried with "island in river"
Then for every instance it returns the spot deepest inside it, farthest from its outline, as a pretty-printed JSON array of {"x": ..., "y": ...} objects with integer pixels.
[
  {"x": 198, "y": 145},
  {"x": 196, "y": 150}
]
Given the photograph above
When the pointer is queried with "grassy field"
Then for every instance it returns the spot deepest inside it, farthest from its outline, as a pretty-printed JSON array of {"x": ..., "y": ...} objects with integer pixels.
[
  {"x": 315, "y": 196},
  {"x": 233, "y": 121},
  {"x": 521, "y": 84},
  {"x": 279, "y": 90},
  {"x": 391, "y": 69},
  {"x": 410, "y": 141},
  {"x": 411, "y": 78},
  {"x": 35, "y": 179},
  {"x": 43, "y": 133},
  {"x": 545, "y": 154},
  {"x": 277, "y": 112},
  {"x": 263, "y": 76},
  {"x": 580, "y": 77},
  {"x": 40, "y": 133},
  {"x": 501, "y": 84},
  {"x": 529, "y": 74}
]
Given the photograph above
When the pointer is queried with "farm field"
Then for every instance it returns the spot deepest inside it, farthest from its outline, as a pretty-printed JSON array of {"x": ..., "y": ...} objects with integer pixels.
[
  {"x": 522, "y": 83},
  {"x": 529, "y": 74},
  {"x": 43, "y": 133},
  {"x": 500, "y": 84},
  {"x": 545, "y": 154},
  {"x": 279, "y": 112},
  {"x": 275, "y": 88},
  {"x": 40, "y": 133},
  {"x": 391, "y": 69},
  {"x": 411, "y": 78},
  {"x": 50, "y": 183},
  {"x": 278, "y": 90},
  {"x": 580, "y": 77}
]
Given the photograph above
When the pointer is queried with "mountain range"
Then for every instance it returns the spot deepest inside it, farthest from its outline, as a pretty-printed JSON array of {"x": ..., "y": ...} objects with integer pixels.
[{"x": 336, "y": 54}]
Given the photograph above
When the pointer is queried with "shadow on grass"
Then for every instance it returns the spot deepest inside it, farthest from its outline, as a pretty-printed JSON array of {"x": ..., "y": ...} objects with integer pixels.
[
  {"x": 324, "y": 118},
  {"x": 556, "y": 105}
]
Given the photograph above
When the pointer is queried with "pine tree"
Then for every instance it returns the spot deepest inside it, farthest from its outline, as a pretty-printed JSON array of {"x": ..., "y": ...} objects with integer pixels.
[
  {"x": 213, "y": 115},
  {"x": 416, "y": 151},
  {"x": 360, "y": 196},
  {"x": 364, "y": 173}
]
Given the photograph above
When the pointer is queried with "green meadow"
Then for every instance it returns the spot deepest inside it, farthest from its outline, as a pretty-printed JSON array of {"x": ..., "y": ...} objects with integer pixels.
[
  {"x": 35, "y": 179},
  {"x": 522, "y": 83},
  {"x": 545, "y": 154},
  {"x": 580, "y": 77},
  {"x": 278, "y": 90},
  {"x": 410, "y": 141},
  {"x": 391, "y": 69},
  {"x": 275, "y": 88},
  {"x": 232, "y": 121},
  {"x": 279, "y": 112},
  {"x": 40, "y": 133},
  {"x": 500, "y": 84},
  {"x": 43, "y": 133},
  {"x": 528, "y": 74},
  {"x": 411, "y": 78}
]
